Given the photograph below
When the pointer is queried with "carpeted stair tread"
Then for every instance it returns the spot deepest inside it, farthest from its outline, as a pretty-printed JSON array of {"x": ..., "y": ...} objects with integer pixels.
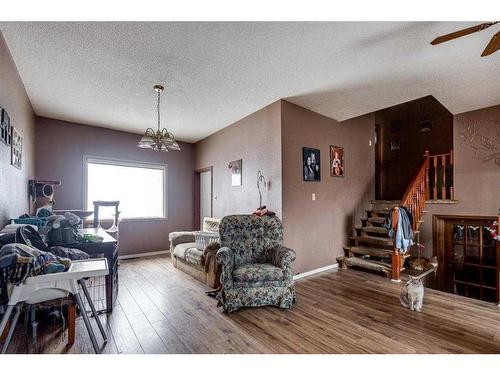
[
  {"x": 367, "y": 264},
  {"x": 373, "y": 240},
  {"x": 372, "y": 251},
  {"x": 379, "y": 212},
  {"x": 376, "y": 220},
  {"x": 375, "y": 230}
]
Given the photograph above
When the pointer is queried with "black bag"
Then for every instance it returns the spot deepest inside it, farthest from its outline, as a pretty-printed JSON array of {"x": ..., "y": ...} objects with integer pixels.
[
  {"x": 6, "y": 238},
  {"x": 29, "y": 236}
]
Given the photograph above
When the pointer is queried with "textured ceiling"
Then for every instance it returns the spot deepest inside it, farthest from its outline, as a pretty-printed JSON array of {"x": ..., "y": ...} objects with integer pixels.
[{"x": 217, "y": 73}]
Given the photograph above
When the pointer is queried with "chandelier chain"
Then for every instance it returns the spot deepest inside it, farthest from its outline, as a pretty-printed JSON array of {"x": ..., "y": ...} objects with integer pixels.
[{"x": 158, "y": 109}]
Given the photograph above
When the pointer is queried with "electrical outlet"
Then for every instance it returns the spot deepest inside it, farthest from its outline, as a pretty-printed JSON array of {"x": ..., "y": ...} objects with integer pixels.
[{"x": 313, "y": 196}]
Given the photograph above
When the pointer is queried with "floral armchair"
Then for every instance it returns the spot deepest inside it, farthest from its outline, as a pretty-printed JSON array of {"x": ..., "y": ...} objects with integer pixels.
[{"x": 256, "y": 267}]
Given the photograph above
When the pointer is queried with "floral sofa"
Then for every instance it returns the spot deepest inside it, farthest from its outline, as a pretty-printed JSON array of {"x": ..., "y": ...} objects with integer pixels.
[{"x": 256, "y": 267}]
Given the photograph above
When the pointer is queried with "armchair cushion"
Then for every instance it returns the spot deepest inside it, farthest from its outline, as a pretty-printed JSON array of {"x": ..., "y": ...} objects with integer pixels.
[
  {"x": 180, "y": 237},
  {"x": 181, "y": 249},
  {"x": 251, "y": 273}
]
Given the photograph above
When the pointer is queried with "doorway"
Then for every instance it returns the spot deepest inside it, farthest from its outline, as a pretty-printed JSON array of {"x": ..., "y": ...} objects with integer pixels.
[{"x": 203, "y": 192}]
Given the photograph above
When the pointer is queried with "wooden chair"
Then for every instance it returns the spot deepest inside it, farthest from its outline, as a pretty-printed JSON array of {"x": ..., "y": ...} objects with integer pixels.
[{"x": 113, "y": 230}]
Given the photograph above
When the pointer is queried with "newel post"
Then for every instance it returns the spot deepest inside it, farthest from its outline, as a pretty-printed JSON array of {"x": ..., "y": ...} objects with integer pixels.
[
  {"x": 396, "y": 265},
  {"x": 396, "y": 255}
]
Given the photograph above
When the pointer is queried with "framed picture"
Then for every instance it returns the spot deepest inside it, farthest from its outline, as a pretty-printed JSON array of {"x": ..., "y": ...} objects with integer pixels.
[
  {"x": 395, "y": 144},
  {"x": 235, "y": 167},
  {"x": 395, "y": 126},
  {"x": 311, "y": 164},
  {"x": 425, "y": 126},
  {"x": 337, "y": 166},
  {"x": 16, "y": 154},
  {"x": 5, "y": 127}
]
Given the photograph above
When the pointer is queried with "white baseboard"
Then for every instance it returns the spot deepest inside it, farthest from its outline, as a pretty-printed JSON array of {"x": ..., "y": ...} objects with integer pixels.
[
  {"x": 140, "y": 255},
  {"x": 315, "y": 271}
]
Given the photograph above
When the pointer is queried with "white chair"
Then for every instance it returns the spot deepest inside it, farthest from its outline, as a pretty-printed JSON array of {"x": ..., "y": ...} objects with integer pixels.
[{"x": 47, "y": 287}]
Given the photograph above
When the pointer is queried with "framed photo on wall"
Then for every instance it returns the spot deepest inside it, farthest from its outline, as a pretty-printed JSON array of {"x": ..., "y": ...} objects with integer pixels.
[
  {"x": 16, "y": 151},
  {"x": 337, "y": 166},
  {"x": 5, "y": 127},
  {"x": 235, "y": 167},
  {"x": 311, "y": 164}
]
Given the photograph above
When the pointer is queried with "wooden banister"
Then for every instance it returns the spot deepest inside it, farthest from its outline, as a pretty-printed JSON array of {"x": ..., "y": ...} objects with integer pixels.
[
  {"x": 438, "y": 167},
  {"x": 416, "y": 194}
]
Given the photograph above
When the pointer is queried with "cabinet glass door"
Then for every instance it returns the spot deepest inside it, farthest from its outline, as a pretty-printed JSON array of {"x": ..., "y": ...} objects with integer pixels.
[{"x": 471, "y": 261}]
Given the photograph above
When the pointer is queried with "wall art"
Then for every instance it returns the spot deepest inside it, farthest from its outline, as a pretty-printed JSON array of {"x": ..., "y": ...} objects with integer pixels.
[
  {"x": 311, "y": 162},
  {"x": 16, "y": 154}
]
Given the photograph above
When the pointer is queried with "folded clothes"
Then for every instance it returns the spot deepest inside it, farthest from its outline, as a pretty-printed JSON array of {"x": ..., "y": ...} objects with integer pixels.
[{"x": 262, "y": 211}]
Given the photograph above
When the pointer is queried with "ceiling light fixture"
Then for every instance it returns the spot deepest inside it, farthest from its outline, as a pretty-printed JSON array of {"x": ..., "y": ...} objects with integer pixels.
[{"x": 161, "y": 140}]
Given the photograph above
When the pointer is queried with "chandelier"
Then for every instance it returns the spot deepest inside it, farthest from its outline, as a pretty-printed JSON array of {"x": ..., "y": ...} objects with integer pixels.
[{"x": 160, "y": 140}]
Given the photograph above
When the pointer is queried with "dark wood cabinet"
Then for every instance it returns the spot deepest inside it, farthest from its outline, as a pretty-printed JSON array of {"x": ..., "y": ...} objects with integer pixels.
[{"x": 468, "y": 257}]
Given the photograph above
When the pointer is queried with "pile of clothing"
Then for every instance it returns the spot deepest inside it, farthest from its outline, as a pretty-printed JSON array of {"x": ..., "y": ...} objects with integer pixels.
[
  {"x": 400, "y": 227},
  {"x": 24, "y": 254},
  {"x": 263, "y": 211}
]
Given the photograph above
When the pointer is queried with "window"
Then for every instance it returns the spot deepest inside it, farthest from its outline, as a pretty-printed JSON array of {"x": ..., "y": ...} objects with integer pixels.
[{"x": 140, "y": 188}]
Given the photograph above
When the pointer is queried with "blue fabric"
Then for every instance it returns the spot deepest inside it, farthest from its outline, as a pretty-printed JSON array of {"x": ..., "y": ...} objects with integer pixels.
[{"x": 404, "y": 234}]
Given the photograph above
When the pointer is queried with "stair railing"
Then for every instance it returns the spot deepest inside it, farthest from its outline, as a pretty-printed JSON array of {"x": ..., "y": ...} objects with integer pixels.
[
  {"x": 419, "y": 191},
  {"x": 439, "y": 176},
  {"x": 416, "y": 194}
]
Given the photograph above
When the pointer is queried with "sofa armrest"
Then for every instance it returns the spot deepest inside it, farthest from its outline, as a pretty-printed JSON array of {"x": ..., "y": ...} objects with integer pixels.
[
  {"x": 283, "y": 257},
  {"x": 180, "y": 237},
  {"x": 225, "y": 258}
]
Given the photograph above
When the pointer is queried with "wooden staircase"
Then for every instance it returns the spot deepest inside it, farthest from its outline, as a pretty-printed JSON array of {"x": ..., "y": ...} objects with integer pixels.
[{"x": 371, "y": 248}]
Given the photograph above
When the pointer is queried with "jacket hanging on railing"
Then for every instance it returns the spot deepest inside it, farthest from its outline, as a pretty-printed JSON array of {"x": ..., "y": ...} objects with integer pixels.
[{"x": 402, "y": 232}]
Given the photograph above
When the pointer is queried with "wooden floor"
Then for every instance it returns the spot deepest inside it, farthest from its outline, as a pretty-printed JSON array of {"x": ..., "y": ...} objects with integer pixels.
[{"x": 162, "y": 310}]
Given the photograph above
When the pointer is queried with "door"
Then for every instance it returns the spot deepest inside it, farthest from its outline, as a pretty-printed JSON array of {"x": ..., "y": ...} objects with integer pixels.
[{"x": 205, "y": 195}]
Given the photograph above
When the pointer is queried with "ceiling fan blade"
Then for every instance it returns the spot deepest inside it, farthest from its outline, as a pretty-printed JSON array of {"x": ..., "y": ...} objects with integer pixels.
[
  {"x": 458, "y": 34},
  {"x": 493, "y": 45}
]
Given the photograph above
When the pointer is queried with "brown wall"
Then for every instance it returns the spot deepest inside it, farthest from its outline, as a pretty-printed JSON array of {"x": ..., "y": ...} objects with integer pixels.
[
  {"x": 477, "y": 183},
  {"x": 318, "y": 230},
  {"x": 398, "y": 167},
  {"x": 61, "y": 147},
  {"x": 257, "y": 140},
  {"x": 14, "y": 182}
]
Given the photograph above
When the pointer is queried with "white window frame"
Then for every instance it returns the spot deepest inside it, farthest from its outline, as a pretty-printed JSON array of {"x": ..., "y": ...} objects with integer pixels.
[{"x": 127, "y": 163}]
